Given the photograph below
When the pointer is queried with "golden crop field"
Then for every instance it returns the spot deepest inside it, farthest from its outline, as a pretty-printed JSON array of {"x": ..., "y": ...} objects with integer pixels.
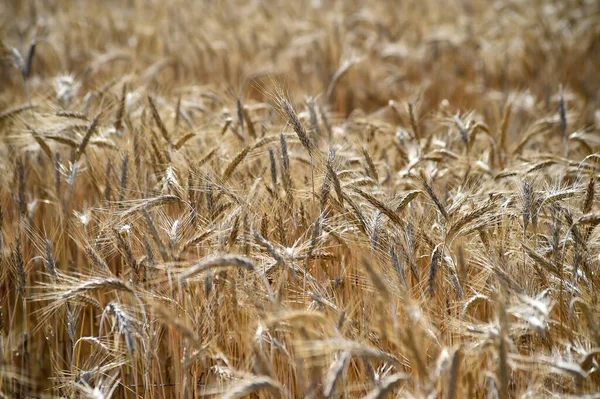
[{"x": 299, "y": 199}]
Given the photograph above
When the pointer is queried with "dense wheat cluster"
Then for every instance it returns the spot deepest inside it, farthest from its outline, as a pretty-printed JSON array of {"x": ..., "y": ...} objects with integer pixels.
[{"x": 319, "y": 199}]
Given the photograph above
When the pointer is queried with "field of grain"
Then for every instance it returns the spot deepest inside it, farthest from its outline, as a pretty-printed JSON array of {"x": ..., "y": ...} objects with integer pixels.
[{"x": 299, "y": 199}]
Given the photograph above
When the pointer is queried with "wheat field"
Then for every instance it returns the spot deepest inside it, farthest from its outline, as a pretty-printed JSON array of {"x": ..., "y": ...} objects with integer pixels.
[{"x": 311, "y": 199}]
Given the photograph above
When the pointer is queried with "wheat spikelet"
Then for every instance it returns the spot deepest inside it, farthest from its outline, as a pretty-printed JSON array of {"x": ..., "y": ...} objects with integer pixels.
[
  {"x": 296, "y": 125},
  {"x": 406, "y": 199},
  {"x": 235, "y": 162},
  {"x": 468, "y": 218},
  {"x": 433, "y": 196},
  {"x": 86, "y": 138},
  {"x": 380, "y": 205},
  {"x": 589, "y": 195},
  {"x": 217, "y": 263},
  {"x": 90, "y": 286},
  {"x": 436, "y": 255},
  {"x": 371, "y": 166},
  {"x": 43, "y": 145},
  {"x": 183, "y": 139},
  {"x": 158, "y": 120}
]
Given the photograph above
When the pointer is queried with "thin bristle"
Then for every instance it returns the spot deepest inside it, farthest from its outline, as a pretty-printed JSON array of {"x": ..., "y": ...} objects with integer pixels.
[
  {"x": 589, "y": 194},
  {"x": 433, "y": 266},
  {"x": 381, "y": 206},
  {"x": 434, "y": 197}
]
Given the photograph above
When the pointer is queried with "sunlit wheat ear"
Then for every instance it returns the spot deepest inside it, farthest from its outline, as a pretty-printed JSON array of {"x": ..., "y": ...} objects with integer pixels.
[
  {"x": 59, "y": 294},
  {"x": 122, "y": 323},
  {"x": 19, "y": 266},
  {"x": 151, "y": 229},
  {"x": 300, "y": 132},
  {"x": 235, "y": 162},
  {"x": 380, "y": 206},
  {"x": 370, "y": 165},
  {"x": 527, "y": 204}
]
